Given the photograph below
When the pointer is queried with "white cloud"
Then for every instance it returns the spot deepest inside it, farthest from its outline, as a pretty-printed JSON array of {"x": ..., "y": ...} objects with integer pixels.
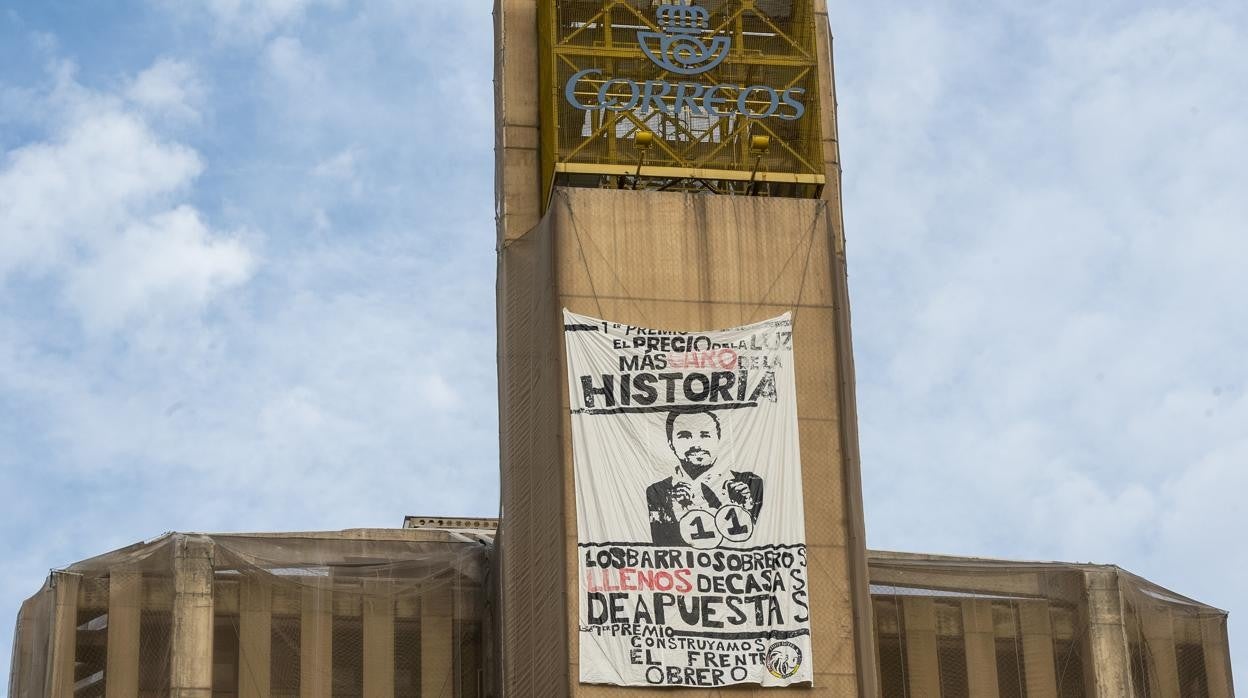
[
  {"x": 76, "y": 187},
  {"x": 1201, "y": 524},
  {"x": 289, "y": 62},
  {"x": 419, "y": 69},
  {"x": 253, "y": 19},
  {"x": 93, "y": 206},
  {"x": 169, "y": 87},
  {"x": 158, "y": 267},
  {"x": 439, "y": 393},
  {"x": 339, "y": 166}
]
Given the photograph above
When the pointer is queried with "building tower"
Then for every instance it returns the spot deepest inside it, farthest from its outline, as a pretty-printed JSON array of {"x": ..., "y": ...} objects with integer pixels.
[{"x": 670, "y": 165}]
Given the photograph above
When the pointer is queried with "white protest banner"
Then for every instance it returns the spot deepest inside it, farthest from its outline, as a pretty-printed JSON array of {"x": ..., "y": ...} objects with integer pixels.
[{"x": 692, "y": 548}]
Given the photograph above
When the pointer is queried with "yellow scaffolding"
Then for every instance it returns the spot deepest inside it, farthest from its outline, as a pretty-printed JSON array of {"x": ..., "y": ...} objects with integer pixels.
[{"x": 592, "y": 53}]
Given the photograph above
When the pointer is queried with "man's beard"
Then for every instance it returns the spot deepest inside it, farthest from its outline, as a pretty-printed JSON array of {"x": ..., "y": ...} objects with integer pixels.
[{"x": 706, "y": 459}]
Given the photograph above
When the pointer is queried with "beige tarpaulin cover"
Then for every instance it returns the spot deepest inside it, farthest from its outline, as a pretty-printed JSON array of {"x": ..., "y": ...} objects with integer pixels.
[
  {"x": 949, "y": 626},
  {"x": 670, "y": 261},
  {"x": 354, "y": 613},
  {"x": 327, "y": 608}
]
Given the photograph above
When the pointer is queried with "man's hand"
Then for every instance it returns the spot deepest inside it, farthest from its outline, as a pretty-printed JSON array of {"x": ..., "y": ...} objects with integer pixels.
[
  {"x": 739, "y": 493},
  {"x": 682, "y": 494}
]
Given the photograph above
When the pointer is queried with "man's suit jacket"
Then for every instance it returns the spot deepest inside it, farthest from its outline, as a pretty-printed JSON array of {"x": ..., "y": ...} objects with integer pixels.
[{"x": 665, "y": 525}]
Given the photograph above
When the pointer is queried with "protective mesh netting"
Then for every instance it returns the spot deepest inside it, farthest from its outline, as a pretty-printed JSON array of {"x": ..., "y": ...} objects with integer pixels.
[
  {"x": 594, "y": 254},
  {"x": 396, "y": 613},
  {"x": 953, "y": 627},
  {"x": 279, "y": 615}
]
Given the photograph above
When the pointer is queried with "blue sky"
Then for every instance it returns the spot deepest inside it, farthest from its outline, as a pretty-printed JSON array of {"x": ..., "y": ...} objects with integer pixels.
[{"x": 247, "y": 275}]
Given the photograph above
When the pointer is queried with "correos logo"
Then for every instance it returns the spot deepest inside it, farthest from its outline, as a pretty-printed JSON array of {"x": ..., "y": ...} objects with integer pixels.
[{"x": 682, "y": 49}]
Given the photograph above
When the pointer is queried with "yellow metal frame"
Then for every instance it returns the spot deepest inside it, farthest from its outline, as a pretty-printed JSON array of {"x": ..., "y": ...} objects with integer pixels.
[
  {"x": 660, "y": 172},
  {"x": 719, "y": 153}
]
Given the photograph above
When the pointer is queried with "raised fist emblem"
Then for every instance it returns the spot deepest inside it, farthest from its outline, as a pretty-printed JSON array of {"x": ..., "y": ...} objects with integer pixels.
[{"x": 680, "y": 46}]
